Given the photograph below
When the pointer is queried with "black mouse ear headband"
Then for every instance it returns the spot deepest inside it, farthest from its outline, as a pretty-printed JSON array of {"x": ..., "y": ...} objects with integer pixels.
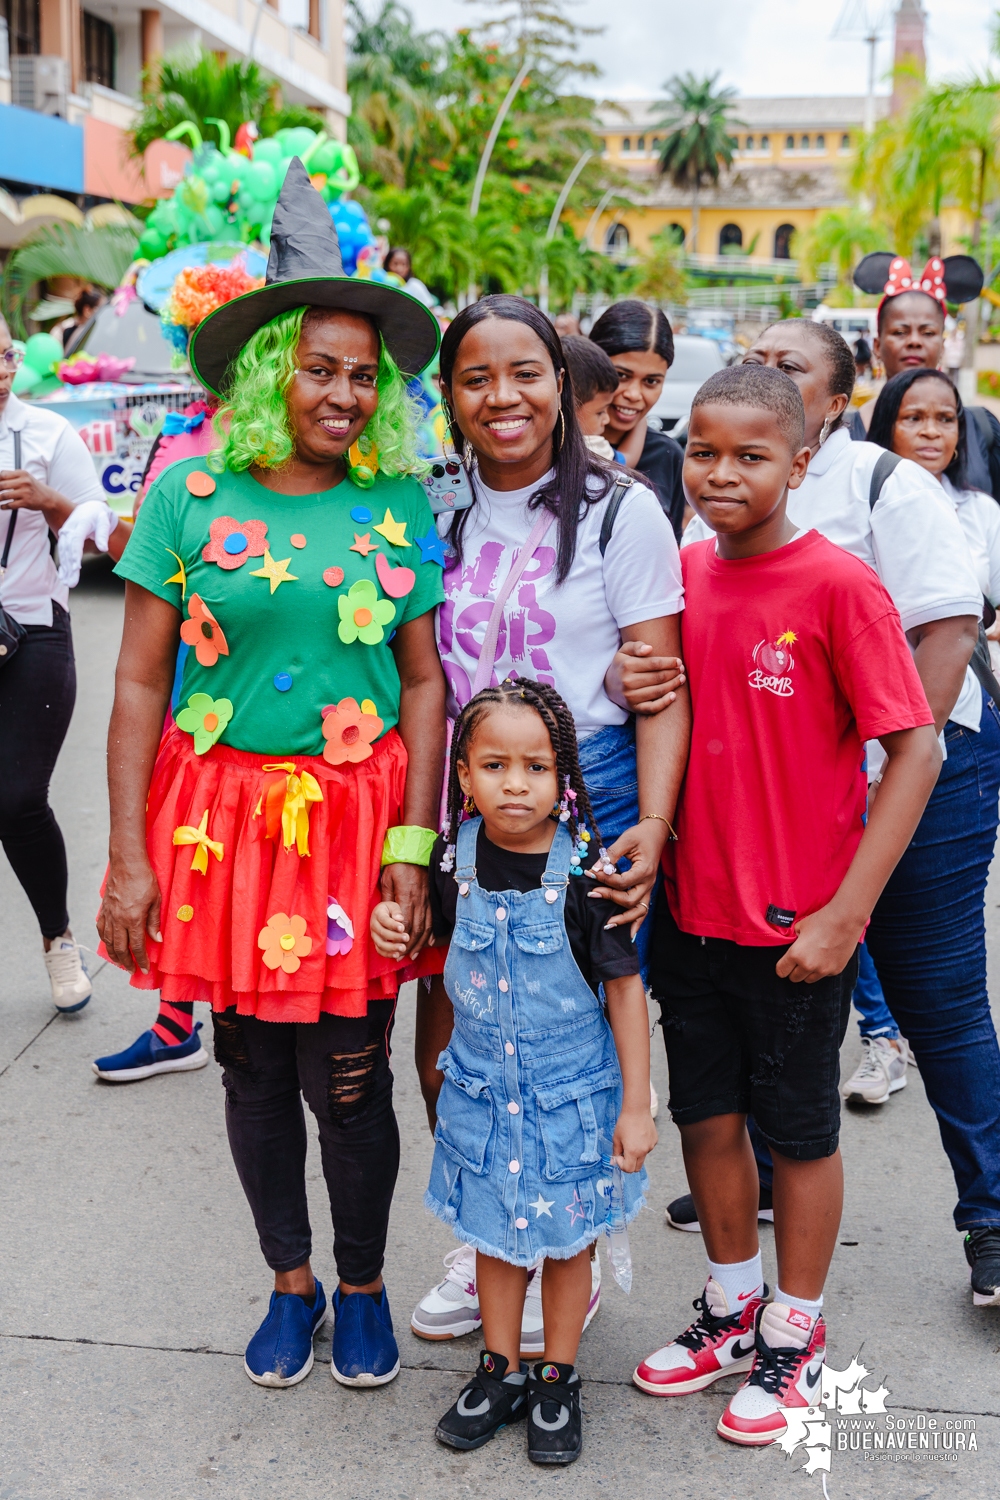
[{"x": 957, "y": 278}]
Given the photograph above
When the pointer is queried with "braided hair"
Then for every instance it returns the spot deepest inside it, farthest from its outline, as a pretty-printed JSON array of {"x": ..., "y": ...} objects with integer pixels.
[{"x": 521, "y": 692}]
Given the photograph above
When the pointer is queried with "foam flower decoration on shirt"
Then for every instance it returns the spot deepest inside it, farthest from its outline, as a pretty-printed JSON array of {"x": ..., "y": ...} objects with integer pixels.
[
  {"x": 204, "y": 845},
  {"x": 232, "y": 541},
  {"x": 339, "y": 929},
  {"x": 363, "y": 614},
  {"x": 349, "y": 730},
  {"x": 205, "y": 718},
  {"x": 284, "y": 942},
  {"x": 203, "y": 632}
]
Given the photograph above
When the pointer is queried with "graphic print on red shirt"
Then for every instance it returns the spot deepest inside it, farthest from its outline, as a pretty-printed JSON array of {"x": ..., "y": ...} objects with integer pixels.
[{"x": 794, "y": 658}]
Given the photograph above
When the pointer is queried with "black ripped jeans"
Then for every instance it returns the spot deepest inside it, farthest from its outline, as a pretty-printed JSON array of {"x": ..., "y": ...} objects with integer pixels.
[
  {"x": 37, "y": 693},
  {"x": 341, "y": 1065}
]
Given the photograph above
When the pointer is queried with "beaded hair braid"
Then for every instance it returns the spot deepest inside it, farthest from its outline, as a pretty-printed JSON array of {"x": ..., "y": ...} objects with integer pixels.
[{"x": 554, "y": 714}]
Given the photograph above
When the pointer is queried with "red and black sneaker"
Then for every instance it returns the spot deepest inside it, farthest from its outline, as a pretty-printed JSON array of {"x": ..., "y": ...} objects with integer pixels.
[
  {"x": 788, "y": 1362},
  {"x": 718, "y": 1343}
]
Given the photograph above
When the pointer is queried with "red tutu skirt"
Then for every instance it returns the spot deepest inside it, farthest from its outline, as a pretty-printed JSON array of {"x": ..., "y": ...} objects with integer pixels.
[{"x": 251, "y": 923}]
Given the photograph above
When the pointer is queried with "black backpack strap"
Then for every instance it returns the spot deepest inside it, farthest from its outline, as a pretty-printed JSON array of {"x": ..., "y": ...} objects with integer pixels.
[
  {"x": 13, "y": 515},
  {"x": 885, "y": 466},
  {"x": 614, "y": 505}
]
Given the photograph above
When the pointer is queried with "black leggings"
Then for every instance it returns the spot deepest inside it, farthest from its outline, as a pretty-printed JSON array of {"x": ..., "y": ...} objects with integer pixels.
[
  {"x": 37, "y": 693},
  {"x": 341, "y": 1065}
]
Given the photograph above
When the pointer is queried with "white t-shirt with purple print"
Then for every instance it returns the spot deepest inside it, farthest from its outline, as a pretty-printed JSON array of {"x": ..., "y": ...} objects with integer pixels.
[{"x": 565, "y": 635}]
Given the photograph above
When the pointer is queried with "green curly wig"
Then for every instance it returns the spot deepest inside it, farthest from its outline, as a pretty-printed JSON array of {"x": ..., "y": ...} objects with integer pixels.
[{"x": 253, "y": 424}]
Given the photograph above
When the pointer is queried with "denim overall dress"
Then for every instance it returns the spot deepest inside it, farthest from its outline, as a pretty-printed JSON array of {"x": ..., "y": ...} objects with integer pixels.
[{"x": 532, "y": 1088}]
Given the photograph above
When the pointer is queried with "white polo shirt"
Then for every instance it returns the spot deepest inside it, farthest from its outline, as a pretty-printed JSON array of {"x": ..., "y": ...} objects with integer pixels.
[{"x": 54, "y": 454}]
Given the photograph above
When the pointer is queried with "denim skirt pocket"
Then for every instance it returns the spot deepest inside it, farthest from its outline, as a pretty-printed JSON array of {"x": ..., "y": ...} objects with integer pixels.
[
  {"x": 572, "y": 1118},
  {"x": 465, "y": 1117}
]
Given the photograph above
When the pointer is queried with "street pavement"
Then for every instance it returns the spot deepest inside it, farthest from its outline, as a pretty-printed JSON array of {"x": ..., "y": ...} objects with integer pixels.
[{"x": 131, "y": 1278}]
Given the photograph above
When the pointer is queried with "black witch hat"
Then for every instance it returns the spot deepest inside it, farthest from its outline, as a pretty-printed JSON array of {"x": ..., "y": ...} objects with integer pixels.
[{"x": 304, "y": 269}]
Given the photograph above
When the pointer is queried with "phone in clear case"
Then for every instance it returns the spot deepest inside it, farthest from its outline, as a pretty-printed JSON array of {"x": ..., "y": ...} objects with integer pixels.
[{"x": 448, "y": 485}]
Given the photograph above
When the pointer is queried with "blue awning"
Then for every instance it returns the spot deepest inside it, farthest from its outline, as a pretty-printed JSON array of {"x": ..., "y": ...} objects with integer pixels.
[{"x": 40, "y": 150}]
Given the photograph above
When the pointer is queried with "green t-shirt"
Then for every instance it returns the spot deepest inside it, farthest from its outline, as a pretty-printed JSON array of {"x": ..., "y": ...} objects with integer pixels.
[{"x": 307, "y": 622}]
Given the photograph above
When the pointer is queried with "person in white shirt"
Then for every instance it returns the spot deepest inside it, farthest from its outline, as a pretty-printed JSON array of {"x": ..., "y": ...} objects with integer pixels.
[
  {"x": 47, "y": 482},
  {"x": 926, "y": 935},
  {"x": 512, "y": 414}
]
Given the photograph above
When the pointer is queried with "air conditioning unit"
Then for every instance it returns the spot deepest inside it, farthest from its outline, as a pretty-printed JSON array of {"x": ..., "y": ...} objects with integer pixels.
[{"x": 40, "y": 83}]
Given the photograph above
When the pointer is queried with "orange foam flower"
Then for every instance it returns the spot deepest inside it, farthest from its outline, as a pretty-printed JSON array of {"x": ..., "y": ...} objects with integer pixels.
[
  {"x": 204, "y": 633},
  {"x": 284, "y": 942},
  {"x": 349, "y": 731}
]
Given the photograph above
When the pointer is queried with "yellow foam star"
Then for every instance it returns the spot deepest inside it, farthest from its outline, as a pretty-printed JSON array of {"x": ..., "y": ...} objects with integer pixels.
[
  {"x": 393, "y": 531},
  {"x": 787, "y": 638},
  {"x": 275, "y": 572},
  {"x": 181, "y": 575}
]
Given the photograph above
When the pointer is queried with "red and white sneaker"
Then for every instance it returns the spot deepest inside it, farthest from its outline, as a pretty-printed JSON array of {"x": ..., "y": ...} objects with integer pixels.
[
  {"x": 718, "y": 1343},
  {"x": 788, "y": 1362}
]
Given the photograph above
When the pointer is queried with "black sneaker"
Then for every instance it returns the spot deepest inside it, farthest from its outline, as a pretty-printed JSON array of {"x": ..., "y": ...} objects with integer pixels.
[
  {"x": 682, "y": 1214},
  {"x": 982, "y": 1251},
  {"x": 555, "y": 1421},
  {"x": 486, "y": 1404}
]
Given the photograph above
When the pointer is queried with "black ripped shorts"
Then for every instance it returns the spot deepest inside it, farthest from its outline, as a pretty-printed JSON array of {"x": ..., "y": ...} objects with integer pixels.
[{"x": 740, "y": 1040}]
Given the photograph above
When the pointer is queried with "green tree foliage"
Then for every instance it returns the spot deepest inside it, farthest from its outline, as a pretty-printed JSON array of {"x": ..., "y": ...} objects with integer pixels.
[
  {"x": 659, "y": 277},
  {"x": 100, "y": 256},
  {"x": 200, "y": 86},
  {"x": 840, "y": 238},
  {"x": 697, "y": 118},
  {"x": 423, "y": 108}
]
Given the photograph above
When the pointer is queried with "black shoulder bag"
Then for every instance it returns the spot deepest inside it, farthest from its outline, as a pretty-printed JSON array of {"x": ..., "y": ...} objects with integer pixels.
[
  {"x": 981, "y": 662},
  {"x": 11, "y": 630},
  {"x": 614, "y": 505}
]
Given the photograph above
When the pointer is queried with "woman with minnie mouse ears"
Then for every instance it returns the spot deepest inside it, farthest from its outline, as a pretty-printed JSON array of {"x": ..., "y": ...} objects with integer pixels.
[{"x": 911, "y": 319}]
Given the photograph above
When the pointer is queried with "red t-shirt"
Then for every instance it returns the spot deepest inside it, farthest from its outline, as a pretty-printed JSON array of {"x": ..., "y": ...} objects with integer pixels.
[{"x": 794, "y": 658}]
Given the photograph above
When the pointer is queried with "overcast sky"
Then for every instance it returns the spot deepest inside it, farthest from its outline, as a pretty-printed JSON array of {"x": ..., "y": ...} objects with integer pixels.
[{"x": 760, "y": 46}]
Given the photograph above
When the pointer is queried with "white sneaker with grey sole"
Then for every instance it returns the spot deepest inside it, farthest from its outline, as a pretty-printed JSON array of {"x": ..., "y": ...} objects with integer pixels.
[
  {"x": 532, "y": 1329},
  {"x": 450, "y": 1309},
  {"x": 71, "y": 988},
  {"x": 881, "y": 1072}
]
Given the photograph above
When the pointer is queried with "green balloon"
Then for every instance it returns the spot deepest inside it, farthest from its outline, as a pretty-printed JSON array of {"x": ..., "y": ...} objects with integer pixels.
[
  {"x": 26, "y": 378},
  {"x": 268, "y": 151},
  {"x": 296, "y": 139},
  {"x": 152, "y": 244},
  {"x": 261, "y": 181},
  {"x": 41, "y": 352}
]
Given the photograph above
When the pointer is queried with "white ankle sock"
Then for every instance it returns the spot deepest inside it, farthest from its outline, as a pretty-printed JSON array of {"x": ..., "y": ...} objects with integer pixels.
[
  {"x": 739, "y": 1281},
  {"x": 803, "y": 1304}
]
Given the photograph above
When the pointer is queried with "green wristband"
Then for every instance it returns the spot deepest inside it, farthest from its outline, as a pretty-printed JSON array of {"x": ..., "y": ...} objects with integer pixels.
[{"x": 408, "y": 846}]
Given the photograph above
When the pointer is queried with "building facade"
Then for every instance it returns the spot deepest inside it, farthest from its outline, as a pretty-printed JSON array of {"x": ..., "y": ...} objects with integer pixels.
[
  {"x": 70, "y": 77},
  {"x": 790, "y": 164}
]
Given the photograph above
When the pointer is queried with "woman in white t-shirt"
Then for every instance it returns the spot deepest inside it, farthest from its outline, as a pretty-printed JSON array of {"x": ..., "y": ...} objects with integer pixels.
[
  {"x": 47, "y": 483},
  {"x": 510, "y": 404}
]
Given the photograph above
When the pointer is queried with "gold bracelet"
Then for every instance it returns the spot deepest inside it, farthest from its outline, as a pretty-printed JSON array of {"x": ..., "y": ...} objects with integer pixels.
[{"x": 671, "y": 835}]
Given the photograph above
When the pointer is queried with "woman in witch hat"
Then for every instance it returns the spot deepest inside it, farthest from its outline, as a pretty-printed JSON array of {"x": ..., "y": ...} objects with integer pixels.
[
  {"x": 911, "y": 336},
  {"x": 299, "y": 782}
]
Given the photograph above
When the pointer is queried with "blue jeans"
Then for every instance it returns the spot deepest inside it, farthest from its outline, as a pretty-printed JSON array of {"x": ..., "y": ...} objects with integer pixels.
[
  {"x": 607, "y": 760},
  {"x": 928, "y": 940},
  {"x": 869, "y": 1001}
]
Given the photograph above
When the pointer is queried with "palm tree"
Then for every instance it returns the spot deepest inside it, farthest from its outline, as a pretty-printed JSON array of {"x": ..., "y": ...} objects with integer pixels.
[
  {"x": 203, "y": 87},
  {"x": 841, "y": 237},
  {"x": 697, "y": 118},
  {"x": 98, "y": 255},
  {"x": 394, "y": 76}
]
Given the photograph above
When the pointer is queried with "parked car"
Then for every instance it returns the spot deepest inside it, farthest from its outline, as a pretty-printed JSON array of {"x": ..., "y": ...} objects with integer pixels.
[{"x": 695, "y": 359}]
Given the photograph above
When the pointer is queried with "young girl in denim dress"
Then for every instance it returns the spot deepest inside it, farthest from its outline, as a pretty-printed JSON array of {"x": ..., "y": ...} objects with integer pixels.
[{"x": 545, "y": 1094}]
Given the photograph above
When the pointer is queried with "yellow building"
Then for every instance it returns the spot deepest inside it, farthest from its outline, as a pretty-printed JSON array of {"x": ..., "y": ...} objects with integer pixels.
[{"x": 790, "y": 165}]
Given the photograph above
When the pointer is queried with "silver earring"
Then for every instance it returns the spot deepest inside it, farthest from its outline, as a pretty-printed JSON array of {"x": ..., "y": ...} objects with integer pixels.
[{"x": 825, "y": 430}]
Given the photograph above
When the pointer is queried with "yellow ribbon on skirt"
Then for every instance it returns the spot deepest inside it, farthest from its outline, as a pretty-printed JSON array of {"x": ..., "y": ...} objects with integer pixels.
[
  {"x": 285, "y": 803},
  {"x": 185, "y": 834}
]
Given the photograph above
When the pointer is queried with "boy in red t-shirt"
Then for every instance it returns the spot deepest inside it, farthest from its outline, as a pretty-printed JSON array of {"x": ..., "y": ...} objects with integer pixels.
[{"x": 795, "y": 656}]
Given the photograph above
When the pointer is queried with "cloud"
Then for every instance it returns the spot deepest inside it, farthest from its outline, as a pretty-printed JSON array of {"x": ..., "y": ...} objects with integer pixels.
[{"x": 757, "y": 45}]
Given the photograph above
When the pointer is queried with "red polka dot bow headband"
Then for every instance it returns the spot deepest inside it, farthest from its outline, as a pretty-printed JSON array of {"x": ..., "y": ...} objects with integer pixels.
[{"x": 956, "y": 278}]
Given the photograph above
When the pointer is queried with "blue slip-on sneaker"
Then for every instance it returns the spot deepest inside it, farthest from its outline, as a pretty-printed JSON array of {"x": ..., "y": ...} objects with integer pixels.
[
  {"x": 281, "y": 1351},
  {"x": 149, "y": 1055},
  {"x": 364, "y": 1345}
]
